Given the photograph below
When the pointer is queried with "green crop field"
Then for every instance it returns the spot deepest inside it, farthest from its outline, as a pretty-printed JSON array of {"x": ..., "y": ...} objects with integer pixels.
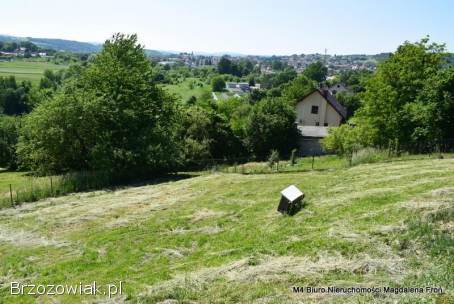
[
  {"x": 27, "y": 70},
  {"x": 217, "y": 238}
]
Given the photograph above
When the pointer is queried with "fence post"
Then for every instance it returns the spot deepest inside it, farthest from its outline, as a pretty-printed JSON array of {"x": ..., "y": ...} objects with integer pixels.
[
  {"x": 51, "y": 187},
  {"x": 313, "y": 158},
  {"x": 11, "y": 195}
]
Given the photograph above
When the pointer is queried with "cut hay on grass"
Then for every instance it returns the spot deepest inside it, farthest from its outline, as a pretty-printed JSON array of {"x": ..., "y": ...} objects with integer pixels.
[
  {"x": 271, "y": 268},
  {"x": 23, "y": 238},
  {"x": 217, "y": 238}
]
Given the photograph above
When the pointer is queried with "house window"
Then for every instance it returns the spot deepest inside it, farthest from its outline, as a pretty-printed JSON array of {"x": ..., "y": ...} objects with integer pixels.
[
  {"x": 325, "y": 124},
  {"x": 317, "y": 123},
  {"x": 314, "y": 110}
]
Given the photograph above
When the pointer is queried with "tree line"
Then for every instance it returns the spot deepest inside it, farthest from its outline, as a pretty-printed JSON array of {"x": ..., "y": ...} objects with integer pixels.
[
  {"x": 407, "y": 105},
  {"x": 110, "y": 113}
]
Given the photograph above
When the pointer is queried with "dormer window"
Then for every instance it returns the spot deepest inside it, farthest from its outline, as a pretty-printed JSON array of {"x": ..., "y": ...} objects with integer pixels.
[{"x": 314, "y": 110}]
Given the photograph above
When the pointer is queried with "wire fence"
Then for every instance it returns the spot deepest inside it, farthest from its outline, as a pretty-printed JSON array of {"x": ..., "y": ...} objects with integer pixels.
[
  {"x": 35, "y": 188},
  {"x": 318, "y": 160}
]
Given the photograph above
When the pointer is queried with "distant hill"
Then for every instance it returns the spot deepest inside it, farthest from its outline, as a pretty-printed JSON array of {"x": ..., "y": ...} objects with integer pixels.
[
  {"x": 71, "y": 45},
  {"x": 57, "y": 44},
  {"x": 155, "y": 53},
  {"x": 66, "y": 45},
  {"x": 381, "y": 57}
]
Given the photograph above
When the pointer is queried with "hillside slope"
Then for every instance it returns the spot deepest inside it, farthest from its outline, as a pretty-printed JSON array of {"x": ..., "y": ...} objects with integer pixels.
[
  {"x": 218, "y": 239},
  {"x": 71, "y": 45}
]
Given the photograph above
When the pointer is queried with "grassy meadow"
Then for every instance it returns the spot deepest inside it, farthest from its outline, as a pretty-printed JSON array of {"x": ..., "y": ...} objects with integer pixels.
[
  {"x": 16, "y": 179},
  {"x": 187, "y": 88},
  {"x": 217, "y": 238},
  {"x": 27, "y": 69}
]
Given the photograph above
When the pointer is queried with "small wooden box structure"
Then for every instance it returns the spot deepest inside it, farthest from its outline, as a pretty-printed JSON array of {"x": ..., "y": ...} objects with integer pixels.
[{"x": 291, "y": 200}]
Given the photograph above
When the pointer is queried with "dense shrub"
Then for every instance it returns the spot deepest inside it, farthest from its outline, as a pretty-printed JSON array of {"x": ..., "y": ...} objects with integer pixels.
[
  {"x": 271, "y": 126},
  {"x": 14, "y": 97},
  {"x": 206, "y": 134},
  {"x": 347, "y": 140},
  {"x": 218, "y": 84},
  {"x": 9, "y": 129}
]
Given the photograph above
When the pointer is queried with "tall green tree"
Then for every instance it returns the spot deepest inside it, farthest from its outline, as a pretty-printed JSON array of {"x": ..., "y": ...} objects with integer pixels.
[
  {"x": 14, "y": 97},
  {"x": 218, "y": 84},
  {"x": 433, "y": 112},
  {"x": 391, "y": 94},
  {"x": 9, "y": 132},
  {"x": 225, "y": 66},
  {"x": 110, "y": 117},
  {"x": 351, "y": 101},
  {"x": 271, "y": 126},
  {"x": 316, "y": 71},
  {"x": 298, "y": 88},
  {"x": 207, "y": 134}
]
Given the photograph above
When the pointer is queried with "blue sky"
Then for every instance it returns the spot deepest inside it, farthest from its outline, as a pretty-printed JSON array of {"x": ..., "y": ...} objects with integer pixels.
[{"x": 249, "y": 27}]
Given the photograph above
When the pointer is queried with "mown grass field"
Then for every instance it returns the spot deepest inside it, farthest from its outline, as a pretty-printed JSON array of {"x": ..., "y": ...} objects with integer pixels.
[
  {"x": 27, "y": 70},
  {"x": 217, "y": 238}
]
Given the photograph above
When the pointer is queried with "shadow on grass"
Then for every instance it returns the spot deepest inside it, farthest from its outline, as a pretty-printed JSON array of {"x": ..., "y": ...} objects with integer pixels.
[
  {"x": 55, "y": 186},
  {"x": 289, "y": 171},
  {"x": 155, "y": 180}
]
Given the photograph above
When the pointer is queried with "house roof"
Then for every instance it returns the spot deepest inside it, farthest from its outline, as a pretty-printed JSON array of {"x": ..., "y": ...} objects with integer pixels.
[
  {"x": 313, "y": 131},
  {"x": 331, "y": 100},
  {"x": 334, "y": 103}
]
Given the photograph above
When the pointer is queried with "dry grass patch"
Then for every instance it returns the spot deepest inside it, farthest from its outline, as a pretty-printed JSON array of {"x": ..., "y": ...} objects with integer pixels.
[
  {"x": 205, "y": 213},
  {"x": 26, "y": 238},
  {"x": 271, "y": 268}
]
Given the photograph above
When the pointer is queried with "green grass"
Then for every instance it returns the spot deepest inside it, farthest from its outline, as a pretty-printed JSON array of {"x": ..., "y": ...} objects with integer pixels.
[
  {"x": 17, "y": 179},
  {"x": 184, "y": 91},
  {"x": 27, "y": 69},
  {"x": 19, "y": 187},
  {"x": 24, "y": 187},
  {"x": 328, "y": 162},
  {"x": 217, "y": 238},
  {"x": 320, "y": 163}
]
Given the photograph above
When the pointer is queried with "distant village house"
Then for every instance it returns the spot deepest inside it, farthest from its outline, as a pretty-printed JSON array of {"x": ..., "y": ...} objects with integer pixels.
[
  {"x": 337, "y": 88},
  {"x": 240, "y": 87},
  {"x": 315, "y": 113}
]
